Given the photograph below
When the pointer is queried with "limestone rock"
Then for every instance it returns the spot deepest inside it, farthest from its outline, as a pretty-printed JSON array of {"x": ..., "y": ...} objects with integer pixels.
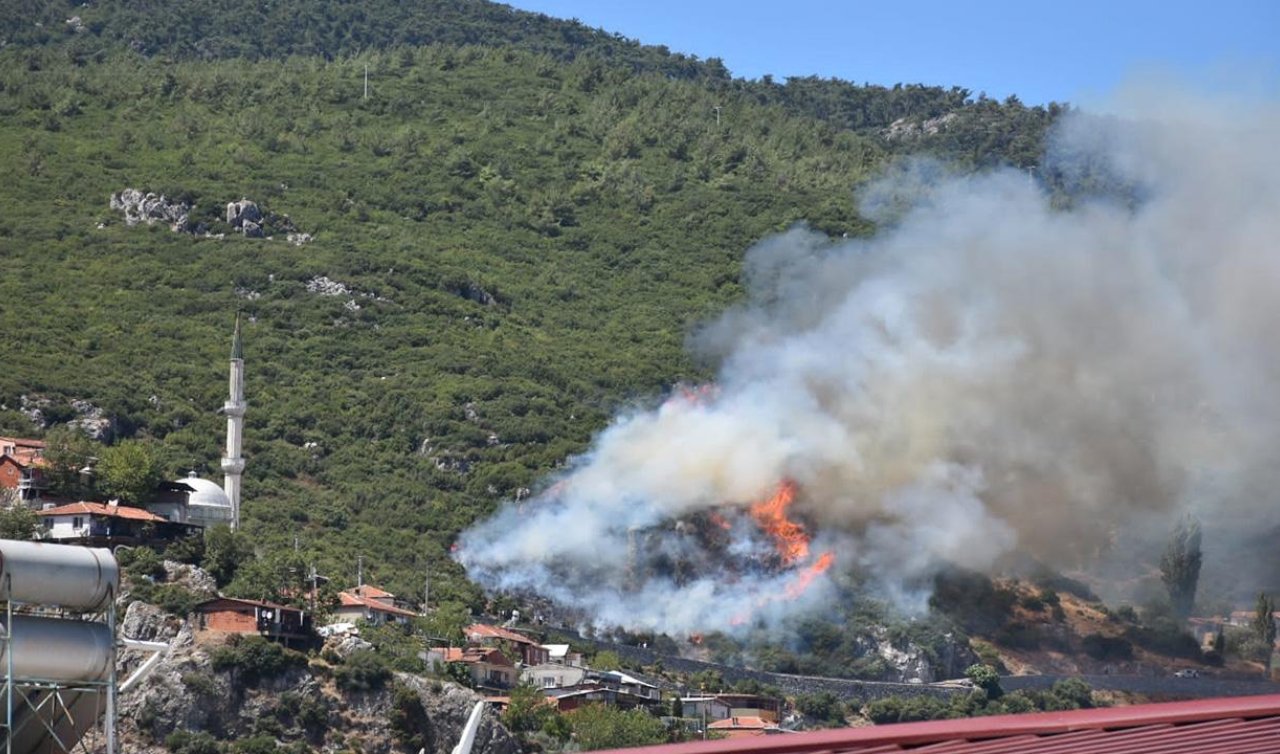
[
  {"x": 243, "y": 211},
  {"x": 908, "y": 662},
  {"x": 150, "y": 208},
  {"x": 344, "y": 646},
  {"x": 322, "y": 285},
  {"x": 193, "y": 579}
]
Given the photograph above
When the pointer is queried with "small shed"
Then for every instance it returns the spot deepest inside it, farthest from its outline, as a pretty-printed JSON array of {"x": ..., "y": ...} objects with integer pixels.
[{"x": 240, "y": 616}]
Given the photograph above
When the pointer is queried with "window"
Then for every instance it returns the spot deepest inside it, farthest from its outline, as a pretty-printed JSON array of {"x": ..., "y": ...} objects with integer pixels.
[
  {"x": 77, "y": 522},
  {"x": 48, "y": 523}
]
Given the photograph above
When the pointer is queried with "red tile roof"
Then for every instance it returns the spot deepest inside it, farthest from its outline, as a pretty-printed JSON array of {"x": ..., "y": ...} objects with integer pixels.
[
  {"x": 22, "y": 442},
  {"x": 99, "y": 509},
  {"x": 1231, "y": 725},
  {"x": 475, "y": 654},
  {"x": 347, "y": 599},
  {"x": 24, "y": 452},
  {"x": 371, "y": 592},
  {"x": 484, "y": 631}
]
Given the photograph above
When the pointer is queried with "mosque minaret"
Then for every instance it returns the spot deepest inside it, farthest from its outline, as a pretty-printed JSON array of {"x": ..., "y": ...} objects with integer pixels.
[{"x": 233, "y": 462}]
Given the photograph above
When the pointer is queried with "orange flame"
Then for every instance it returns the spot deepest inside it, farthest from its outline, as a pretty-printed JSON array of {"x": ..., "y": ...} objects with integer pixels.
[
  {"x": 790, "y": 538},
  {"x": 806, "y": 577},
  {"x": 719, "y": 521}
]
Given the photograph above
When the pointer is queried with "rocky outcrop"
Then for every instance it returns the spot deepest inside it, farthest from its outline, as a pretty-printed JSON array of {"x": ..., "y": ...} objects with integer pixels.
[
  {"x": 321, "y": 285},
  {"x": 904, "y": 129},
  {"x": 151, "y": 208},
  {"x": 189, "y": 577},
  {"x": 43, "y": 411},
  {"x": 908, "y": 662},
  {"x": 91, "y": 420},
  {"x": 301, "y": 705},
  {"x": 244, "y": 216}
]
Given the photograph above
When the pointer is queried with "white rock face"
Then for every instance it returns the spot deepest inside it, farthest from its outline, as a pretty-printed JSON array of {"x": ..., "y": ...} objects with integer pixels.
[{"x": 151, "y": 208}]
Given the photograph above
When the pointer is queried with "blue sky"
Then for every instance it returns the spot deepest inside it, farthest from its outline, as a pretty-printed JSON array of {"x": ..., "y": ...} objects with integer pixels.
[{"x": 1072, "y": 50}]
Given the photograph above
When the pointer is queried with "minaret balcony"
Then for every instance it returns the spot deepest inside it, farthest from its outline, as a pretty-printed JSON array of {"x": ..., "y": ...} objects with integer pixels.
[
  {"x": 234, "y": 408},
  {"x": 232, "y": 465}
]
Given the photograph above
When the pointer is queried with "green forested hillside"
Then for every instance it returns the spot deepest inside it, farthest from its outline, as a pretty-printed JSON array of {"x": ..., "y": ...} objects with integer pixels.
[
  {"x": 982, "y": 131},
  {"x": 527, "y": 229}
]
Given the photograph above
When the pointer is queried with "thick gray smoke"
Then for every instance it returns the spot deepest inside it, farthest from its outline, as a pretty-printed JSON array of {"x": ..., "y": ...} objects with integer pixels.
[{"x": 992, "y": 371}]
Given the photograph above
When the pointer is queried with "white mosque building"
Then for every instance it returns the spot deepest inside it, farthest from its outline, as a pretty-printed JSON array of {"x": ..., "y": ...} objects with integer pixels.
[{"x": 202, "y": 502}]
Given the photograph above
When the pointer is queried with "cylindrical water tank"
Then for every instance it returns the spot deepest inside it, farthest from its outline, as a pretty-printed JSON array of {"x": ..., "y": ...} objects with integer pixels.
[
  {"x": 69, "y": 576},
  {"x": 59, "y": 650}
]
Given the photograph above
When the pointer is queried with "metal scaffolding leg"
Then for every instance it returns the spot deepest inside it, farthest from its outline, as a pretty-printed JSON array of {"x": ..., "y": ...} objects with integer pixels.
[
  {"x": 56, "y": 712},
  {"x": 8, "y": 660}
]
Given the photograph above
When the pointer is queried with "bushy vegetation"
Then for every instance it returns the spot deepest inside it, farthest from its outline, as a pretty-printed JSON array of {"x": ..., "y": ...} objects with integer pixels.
[
  {"x": 1064, "y": 695},
  {"x": 253, "y": 659},
  {"x": 362, "y": 670},
  {"x": 596, "y": 726}
]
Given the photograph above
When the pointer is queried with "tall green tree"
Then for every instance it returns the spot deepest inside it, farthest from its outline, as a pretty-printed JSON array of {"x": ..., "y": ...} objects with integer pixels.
[
  {"x": 224, "y": 551},
  {"x": 528, "y": 711},
  {"x": 1264, "y": 626},
  {"x": 596, "y": 726},
  {"x": 67, "y": 451},
  {"x": 18, "y": 522},
  {"x": 1180, "y": 566},
  {"x": 130, "y": 471}
]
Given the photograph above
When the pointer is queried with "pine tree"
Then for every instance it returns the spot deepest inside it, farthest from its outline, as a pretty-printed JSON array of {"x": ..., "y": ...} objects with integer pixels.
[
  {"x": 1180, "y": 566},
  {"x": 1264, "y": 626}
]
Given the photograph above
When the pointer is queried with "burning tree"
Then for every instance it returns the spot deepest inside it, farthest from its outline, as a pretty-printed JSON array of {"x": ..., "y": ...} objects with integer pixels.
[{"x": 1180, "y": 565}]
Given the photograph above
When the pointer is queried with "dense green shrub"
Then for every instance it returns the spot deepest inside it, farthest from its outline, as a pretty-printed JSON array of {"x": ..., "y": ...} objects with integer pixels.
[
  {"x": 363, "y": 670},
  {"x": 192, "y": 742},
  {"x": 254, "y": 658}
]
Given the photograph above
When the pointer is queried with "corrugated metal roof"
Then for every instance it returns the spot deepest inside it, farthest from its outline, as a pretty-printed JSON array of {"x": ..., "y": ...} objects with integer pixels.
[{"x": 1234, "y": 725}]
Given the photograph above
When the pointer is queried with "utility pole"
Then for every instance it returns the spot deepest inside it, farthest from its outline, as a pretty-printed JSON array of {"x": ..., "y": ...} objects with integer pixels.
[
  {"x": 426, "y": 591},
  {"x": 717, "y": 109},
  {"x": 366, "y": 81},
  {"x": 315, "y": 587},
  {"x": 359, "y": 571}
]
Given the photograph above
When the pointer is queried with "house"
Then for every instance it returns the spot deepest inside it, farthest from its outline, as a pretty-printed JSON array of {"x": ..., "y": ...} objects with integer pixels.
[
  {"x": 624, "y": 683},
  {"x": 107, "y": 524},
  {"x": 705, "y": 708},
  {"x": 571, "y": 698},
  {"x": 550, "y": 675},
  {"x": 489, "y": 667},
  {"x": 560, "y": 654},
  {"x": 372, "y": 605},
  {"x": 751, "y": 705},
  {"x": 531, "y": 652},
  {"x": 239, "y": 616},
  {"x": 22, "y": 465}
]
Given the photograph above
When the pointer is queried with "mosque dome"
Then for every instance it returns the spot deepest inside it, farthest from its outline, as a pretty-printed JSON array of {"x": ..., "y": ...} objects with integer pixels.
[{"x": 205, "y": 492}]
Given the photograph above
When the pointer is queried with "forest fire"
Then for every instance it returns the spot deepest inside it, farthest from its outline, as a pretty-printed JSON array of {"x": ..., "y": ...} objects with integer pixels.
[
  {"x": 789, "y": 538},
  {"x": 770, "y": 515}
]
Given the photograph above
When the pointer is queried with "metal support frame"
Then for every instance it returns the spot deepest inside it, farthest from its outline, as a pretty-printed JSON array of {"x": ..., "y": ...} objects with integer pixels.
[{"x": 51, "y": 701}]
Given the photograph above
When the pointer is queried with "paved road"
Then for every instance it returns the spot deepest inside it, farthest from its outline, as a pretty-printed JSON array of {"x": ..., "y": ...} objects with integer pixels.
[
  {"x": 844, "y": 688},
  {"x": 1169, "y": 686}
]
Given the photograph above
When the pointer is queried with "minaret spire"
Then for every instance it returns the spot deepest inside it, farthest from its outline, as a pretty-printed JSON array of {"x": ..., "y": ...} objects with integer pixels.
[{"x": 232, "y": 462}]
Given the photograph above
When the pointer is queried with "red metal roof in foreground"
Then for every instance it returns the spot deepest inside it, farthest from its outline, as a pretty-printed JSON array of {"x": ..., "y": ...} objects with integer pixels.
[{"x": 1232, "y": 725}]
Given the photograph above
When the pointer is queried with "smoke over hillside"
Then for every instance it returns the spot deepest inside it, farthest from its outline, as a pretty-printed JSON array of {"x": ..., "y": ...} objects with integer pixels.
[{"x": 990, "y": 372}]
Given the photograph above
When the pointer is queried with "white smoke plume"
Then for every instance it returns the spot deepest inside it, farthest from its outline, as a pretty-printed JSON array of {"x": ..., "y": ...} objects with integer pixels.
[{"x": 993, "y": 370}]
